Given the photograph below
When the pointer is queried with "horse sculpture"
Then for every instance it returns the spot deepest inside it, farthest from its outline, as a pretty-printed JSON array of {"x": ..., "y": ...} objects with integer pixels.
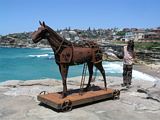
[{"x": 68, "y": 53}]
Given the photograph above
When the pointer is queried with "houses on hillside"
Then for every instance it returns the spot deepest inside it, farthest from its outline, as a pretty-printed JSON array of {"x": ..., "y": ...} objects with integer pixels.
[
  {"x": 141, "y": 35},
  {"x": 101, "y": 36},
  {"x": 114, "y": 34}
]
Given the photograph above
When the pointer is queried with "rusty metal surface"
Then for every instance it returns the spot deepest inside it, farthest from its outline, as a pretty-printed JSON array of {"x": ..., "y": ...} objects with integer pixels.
[
  {"x": 56, "y": 101},
  {"x": 81, "y": 55},
  {"x": 66, "y": 55}
]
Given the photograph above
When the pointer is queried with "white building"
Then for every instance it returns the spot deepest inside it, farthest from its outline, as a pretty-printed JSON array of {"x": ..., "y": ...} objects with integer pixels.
[{"x": 134, "y": 35}]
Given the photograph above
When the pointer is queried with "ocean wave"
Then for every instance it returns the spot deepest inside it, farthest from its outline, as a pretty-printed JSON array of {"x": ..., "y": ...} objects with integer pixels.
[
  {"x": 51, "y": 52},
  {"x": 46, "y": 48},
  {"x": 117, "y": 67},
  {"x": 38, "y": 56},
  {"x": 50, "y": 57},
  {"x": 142, "y": 76},
  {"x": 113, "y": 67}
]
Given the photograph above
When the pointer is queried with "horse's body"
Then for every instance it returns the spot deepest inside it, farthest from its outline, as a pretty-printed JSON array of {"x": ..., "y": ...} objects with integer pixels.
[{"x": 67, "y": 53}]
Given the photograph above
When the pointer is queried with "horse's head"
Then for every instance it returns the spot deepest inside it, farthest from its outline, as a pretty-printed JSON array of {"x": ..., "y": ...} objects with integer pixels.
[{"x": 40, "y": 34}]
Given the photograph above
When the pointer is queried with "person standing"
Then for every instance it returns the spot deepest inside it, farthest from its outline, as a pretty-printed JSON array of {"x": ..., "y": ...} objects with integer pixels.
[
  {"x": 128, "y": 59},
  {"x": 128, "y": 56}
]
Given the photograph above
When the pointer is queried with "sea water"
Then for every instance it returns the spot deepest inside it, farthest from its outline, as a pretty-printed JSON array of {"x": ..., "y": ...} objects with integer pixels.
[{"x": 29, "y": 64}]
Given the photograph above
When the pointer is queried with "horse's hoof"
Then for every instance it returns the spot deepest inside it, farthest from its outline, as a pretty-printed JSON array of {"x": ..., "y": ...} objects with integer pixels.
[
  {"x": 86, "y": 89},
  {"x": 63, "y": 95},
  {"x": 105, "y": 89}
]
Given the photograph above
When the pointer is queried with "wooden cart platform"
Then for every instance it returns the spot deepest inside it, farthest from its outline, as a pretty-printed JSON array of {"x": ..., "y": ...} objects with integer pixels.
[{"x": 74, "y": 98}]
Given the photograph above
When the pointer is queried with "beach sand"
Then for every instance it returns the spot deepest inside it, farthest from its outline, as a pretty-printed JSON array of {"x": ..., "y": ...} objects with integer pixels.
[
  {"x": 150, "y": 69},
  {"x": 18, "y": 101}
]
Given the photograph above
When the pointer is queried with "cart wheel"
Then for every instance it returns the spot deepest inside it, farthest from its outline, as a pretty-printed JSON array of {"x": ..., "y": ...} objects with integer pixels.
[
  {"x": 43, "y": 93},
  {"x": 66, "y": 105},
  {"x": 116, "y": 94}
]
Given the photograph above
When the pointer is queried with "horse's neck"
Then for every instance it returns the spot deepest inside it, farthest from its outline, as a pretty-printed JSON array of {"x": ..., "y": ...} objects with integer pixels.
[{"x": 56, "y": 41}]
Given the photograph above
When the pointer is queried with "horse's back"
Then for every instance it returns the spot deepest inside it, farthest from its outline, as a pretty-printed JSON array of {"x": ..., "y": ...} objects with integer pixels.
[
  {"x": 81, "y": 55},
  {"x": 77, "y": 54}
]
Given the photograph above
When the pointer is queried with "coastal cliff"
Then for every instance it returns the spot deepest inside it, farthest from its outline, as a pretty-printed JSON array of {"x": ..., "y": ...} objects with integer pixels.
[{"x": 20, "y": 40}]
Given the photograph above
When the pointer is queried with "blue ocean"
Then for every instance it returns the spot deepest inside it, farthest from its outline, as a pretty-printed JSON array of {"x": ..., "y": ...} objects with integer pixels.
[
  {"x": 32, "y": 64},
  {"x": 29, "y": 64}
]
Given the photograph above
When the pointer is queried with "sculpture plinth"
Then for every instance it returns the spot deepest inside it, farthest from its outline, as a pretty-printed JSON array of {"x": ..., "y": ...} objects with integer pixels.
[{"x": 74, "y": 98}]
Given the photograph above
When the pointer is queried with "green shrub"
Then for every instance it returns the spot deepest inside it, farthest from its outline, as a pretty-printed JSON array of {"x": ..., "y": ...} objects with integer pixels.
[{"x": 146, "y": 45}]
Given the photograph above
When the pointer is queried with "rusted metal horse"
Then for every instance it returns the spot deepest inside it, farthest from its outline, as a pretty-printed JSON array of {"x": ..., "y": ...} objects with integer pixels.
[{"x": 68, "y": 53}]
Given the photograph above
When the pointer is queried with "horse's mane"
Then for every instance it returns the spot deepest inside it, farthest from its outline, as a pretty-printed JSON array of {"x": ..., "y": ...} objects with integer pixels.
[
  {"x": 83, "y": 43},
  {"x": 57, "y": 36}
]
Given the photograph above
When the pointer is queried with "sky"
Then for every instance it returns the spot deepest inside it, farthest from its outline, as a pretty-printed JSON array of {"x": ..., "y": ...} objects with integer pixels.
[{"x": 24, "y": 15}]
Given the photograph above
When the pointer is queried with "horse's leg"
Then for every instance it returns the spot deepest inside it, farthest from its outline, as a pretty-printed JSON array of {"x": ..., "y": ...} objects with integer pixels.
[
  {"x": 90, "y": 69},
  {"x": 101, "y": 69},
  {"x": 64, "y": 71}
]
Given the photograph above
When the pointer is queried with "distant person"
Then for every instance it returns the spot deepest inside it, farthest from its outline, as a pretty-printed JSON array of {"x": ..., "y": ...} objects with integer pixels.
[{"x": 128, "y": 59}]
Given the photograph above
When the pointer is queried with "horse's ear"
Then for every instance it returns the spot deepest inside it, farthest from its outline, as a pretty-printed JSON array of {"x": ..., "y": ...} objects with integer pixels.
[
  {"x": 44, "y": 25},
  {"x": 40, "y": 23}
]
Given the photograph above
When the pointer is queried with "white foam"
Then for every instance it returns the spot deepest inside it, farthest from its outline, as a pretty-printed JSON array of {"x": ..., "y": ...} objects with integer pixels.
[
  {"x": 117, "y": 67},
  {"x": 142, "y": 76},
  {"x": 51, "y": 52},
  {"x": 111, "y": 54},
  {"x": 46, "y": 48},
  {"x": 38, "y": 56},
  {"x": 113, "y": 67}
]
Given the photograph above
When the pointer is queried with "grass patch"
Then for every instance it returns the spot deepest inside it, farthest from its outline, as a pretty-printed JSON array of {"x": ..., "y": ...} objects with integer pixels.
[
  {"x": 141, "y": 46},
  {"x": 147, "y": 46}
]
